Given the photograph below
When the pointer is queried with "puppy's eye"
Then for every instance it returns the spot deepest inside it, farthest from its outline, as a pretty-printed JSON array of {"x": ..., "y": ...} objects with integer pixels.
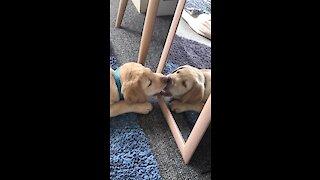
[
  {"x": 184, "y": 84},
  {"x": 177, "y": 69},
  {"x": 178, "y": 72},
  {"x": 150, "y": 84}
]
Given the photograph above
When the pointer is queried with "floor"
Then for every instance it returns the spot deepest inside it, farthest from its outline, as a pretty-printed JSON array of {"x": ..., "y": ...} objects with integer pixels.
[{"x": 125, "y": 42}]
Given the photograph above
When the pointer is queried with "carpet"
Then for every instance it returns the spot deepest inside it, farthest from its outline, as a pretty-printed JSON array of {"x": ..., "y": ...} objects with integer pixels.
[
  {"x": 185, "y": 51},
  {"x": 130, "y": 153}
]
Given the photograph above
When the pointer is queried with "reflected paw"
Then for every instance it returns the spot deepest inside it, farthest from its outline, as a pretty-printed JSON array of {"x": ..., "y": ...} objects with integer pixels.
[{"x": 176, "y": 106}]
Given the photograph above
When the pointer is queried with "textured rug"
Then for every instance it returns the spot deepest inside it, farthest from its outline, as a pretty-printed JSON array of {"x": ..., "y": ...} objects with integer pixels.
[
  {"x": 185, "y": 51},
  {"x": 130, "y": 154}
]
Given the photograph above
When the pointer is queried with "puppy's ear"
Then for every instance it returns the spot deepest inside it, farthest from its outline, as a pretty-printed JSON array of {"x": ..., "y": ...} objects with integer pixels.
[
  {"x": 195, "y": 94},
  {"x": 132, "y": 92}
]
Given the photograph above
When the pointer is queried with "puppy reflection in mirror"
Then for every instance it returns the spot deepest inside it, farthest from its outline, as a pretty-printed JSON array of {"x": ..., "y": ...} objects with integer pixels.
[{"x": 189, "y": 88}]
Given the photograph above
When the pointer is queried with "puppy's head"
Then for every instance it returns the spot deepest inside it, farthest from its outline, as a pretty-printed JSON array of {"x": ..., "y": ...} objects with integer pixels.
[
  {"x": 186, "y": 83},
  {"x": 138, "y": 82}
]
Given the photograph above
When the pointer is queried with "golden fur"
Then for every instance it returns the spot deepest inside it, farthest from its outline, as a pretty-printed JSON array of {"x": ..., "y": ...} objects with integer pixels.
[
  {"x": 189, "y": 88},
  {"x": 138, "y": 82}
]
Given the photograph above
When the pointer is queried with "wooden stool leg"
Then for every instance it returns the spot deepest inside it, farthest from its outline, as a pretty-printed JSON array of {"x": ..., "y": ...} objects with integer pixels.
[
  {"x": 148, "y": 30},
  {"x": 121, "y": 10}
]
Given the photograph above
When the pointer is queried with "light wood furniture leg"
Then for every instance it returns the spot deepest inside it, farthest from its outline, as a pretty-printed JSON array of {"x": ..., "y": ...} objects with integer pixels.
[
  {"x": 147, "y": 30},
  {"x": 171, "y": 34},
  {"x": 171, "y": 123},
  {"x": 198, "y": 131},
  {"x": 121, "y": 10},
  {"x": 186, "y": 148}
]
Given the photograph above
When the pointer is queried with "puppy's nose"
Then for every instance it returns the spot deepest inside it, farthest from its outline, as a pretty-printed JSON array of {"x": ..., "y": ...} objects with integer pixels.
[
  {"x": 169, "y": 80},
  {"x": 164, "y": 79}
]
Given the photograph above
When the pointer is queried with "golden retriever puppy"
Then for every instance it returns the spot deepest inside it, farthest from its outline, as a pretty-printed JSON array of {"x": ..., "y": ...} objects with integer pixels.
[
  {"x": 130, "y": 85},
  {"x": 189, "y": 88}
]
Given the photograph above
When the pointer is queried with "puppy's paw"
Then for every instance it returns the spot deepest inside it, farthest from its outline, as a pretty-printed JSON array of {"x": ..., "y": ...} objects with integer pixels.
[
  {"x": 146, "y": 108},
  {"x": 176, "y": 106}
]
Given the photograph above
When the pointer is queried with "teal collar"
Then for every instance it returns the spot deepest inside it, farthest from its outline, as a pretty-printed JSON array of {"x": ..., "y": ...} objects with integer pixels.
[{"x": 118, "y": 82}]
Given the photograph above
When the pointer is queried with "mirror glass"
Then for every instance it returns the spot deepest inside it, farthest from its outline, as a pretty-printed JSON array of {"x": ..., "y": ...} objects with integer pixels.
[{"x": 191, "y": 46}]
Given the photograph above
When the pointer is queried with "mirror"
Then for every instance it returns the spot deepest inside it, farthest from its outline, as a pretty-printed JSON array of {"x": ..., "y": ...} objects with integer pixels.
[{"x": 191, "y": 45}]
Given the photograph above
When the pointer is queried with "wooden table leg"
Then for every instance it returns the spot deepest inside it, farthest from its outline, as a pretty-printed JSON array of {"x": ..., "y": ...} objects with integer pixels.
[
  {"x": 121, "y": 10},
  {"x": 171, "y": 34},
  {"x": 148, "y": 30}
]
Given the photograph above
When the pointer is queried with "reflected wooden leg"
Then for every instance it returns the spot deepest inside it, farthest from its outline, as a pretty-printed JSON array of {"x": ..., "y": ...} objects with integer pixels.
[
  {"x": 172, "y": 124},
  {"x": 148, "y": 30},
  {"x": 188, "y": 148},
  {"x": 121, "y": 10},
  {"x": 197, "y": 132}
]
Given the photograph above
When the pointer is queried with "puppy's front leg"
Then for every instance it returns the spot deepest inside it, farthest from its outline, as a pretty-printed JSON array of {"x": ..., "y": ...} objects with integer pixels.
[
  {"x": 179, "y": 107},
  {"x": 121, "y": 107}
]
